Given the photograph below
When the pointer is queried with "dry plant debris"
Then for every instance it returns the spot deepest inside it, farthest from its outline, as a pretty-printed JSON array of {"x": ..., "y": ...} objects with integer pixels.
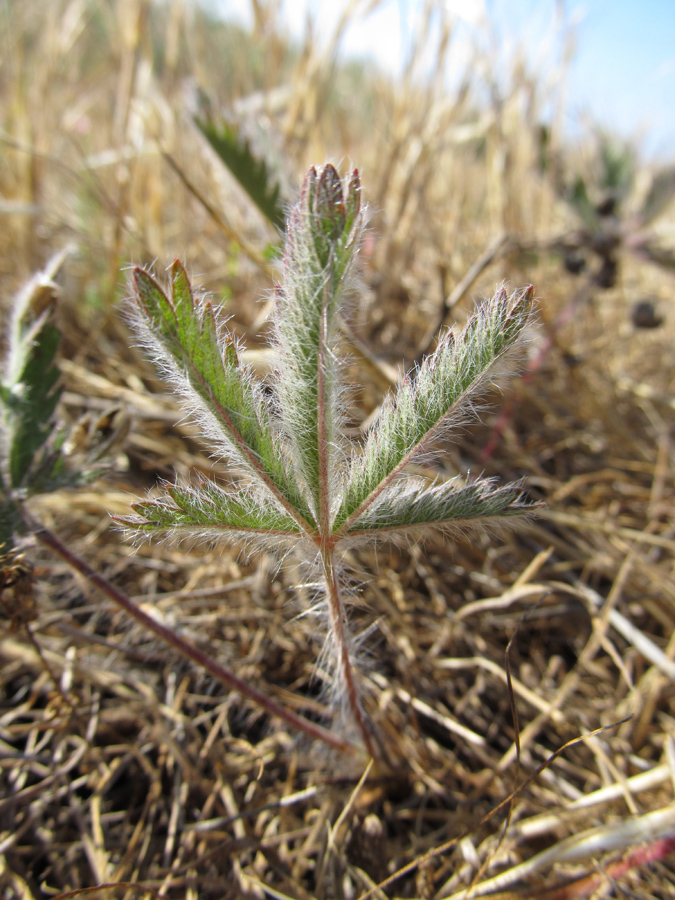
[{"x": 135, "y": 769}]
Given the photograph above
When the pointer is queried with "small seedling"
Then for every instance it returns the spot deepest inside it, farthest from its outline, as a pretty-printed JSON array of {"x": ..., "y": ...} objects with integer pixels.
[{"x": 301, "y": 485}]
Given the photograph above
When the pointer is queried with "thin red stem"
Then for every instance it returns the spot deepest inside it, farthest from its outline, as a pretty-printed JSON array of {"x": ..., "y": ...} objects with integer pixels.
[
  {"x": 338, "y": 631},
  {"x": 327, "y": 544},
  {"x": 228, "y": 678}
]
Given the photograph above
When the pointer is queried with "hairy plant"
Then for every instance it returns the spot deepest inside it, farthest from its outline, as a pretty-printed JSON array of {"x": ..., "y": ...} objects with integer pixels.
[
  {"x": 301, "y": 485},
  {"x": 38, "y": 452}
]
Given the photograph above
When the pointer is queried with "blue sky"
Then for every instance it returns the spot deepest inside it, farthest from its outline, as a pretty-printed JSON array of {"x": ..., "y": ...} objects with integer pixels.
[
  {"x": 625, "y": 68},
  {"x": 622, "y": 74}
]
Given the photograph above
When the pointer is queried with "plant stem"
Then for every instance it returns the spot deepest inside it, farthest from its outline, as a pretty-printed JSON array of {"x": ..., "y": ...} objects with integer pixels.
[
  {"x": 322, "y": 438},
  {"x": 312, "y": 730},
  {"x": 326, "y": 544},
  {"x": 339, "y": 636}
]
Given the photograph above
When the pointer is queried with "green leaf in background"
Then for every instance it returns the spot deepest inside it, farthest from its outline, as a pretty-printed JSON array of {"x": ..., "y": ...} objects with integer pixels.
[
  {"x": 580, "y": 201},
  {"x": 250, "y": 171},
  {"x": 32, "y": 402},
  {"x": 617, "y": 167},
  {"x": 38, "y": 453}
]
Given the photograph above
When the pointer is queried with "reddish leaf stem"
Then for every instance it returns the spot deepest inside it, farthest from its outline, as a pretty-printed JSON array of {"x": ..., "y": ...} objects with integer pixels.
[
  {"x": 339, "y": 636},
  {"x": 312, "y": 730}
]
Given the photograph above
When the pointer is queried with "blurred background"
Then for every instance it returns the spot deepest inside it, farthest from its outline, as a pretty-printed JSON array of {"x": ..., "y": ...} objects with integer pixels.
[
  {"x": 616, "y": 58},
  {"x": 469, "y": 119}
]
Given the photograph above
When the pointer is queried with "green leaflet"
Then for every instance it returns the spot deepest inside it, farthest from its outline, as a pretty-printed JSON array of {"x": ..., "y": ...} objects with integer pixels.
[
  {"x": 210, "y": 508},
  {"x": 440, "y": 505},
  {"x": 193, "y": 351},
  {"x": 424, "y": 406},
  {"x": 323, "y": 234}
]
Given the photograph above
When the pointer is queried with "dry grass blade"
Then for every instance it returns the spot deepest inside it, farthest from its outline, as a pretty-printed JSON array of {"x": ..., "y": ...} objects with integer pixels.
[
  {"x": 422, "y": 861},
  {"x": 649, "y": 828}
]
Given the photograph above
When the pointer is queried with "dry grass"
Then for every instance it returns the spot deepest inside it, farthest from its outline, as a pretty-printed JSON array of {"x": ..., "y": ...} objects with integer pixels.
[{"x": 123, "y": 765}]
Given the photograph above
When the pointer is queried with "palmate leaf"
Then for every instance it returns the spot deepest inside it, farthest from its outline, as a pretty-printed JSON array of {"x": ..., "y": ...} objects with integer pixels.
[
  {"x": 216, "y": 388},
  {"x": 302, "y": 487},
  {"x": 424, "y": 407}
]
